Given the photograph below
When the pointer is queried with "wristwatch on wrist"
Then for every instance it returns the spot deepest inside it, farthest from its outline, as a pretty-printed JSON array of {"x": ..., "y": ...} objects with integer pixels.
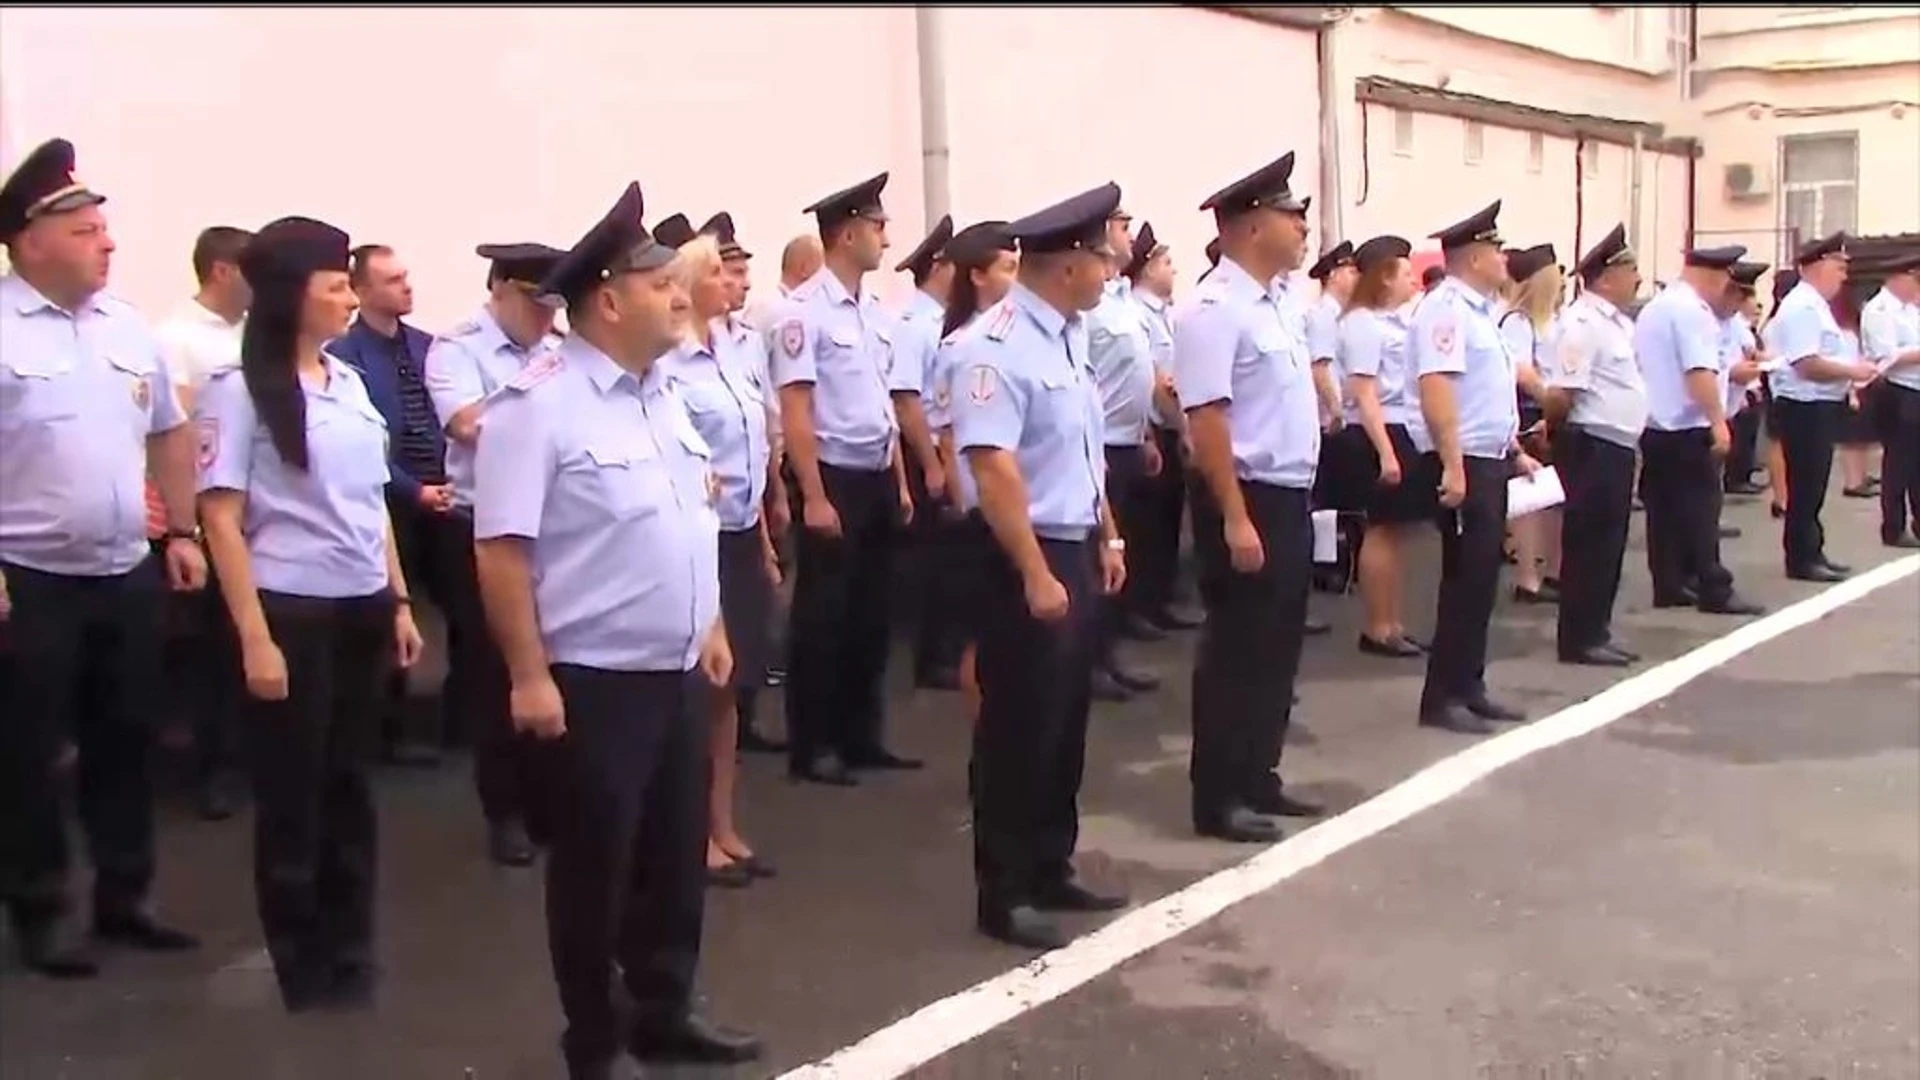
[
  {"x": 192, "y": 534},
  {"x": 1117, "y": 544}
]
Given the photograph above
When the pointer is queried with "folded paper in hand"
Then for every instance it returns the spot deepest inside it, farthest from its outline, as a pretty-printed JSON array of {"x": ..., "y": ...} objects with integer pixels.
[
  {"x": 1531, "y": 494},
  {"x": 1326, "y": 537}
]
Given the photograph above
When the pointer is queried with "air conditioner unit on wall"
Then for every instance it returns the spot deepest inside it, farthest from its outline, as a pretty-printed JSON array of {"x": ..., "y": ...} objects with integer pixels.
[{"x": 1747, "y": 182}]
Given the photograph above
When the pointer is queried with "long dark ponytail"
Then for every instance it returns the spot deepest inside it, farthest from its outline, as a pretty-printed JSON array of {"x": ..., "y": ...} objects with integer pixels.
[
  {"x": 972, "y": 248},
  {"x": 267, "y": 362},
  {"x": 963, "y": 302}
]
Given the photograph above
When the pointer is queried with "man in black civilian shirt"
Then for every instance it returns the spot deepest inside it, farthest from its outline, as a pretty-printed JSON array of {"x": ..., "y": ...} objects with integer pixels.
[{"x": 391, "y": 357}]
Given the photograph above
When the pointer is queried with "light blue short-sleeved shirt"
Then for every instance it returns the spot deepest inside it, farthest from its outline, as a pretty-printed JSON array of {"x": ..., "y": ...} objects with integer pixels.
[
  {"x": 823, "y": 337},
  {"x": 1122, "y": 364},
  {"x": 468, "y": 364},
  {"x": 1675, "y": 333},
  {"x": 1591, "y": 353},
  {"x": 1453, "y": 333},
  {"x": 603, "y": 472},
  {"x": 1888, "y": 329},
  {"x": 1323, "y": 332},
  {"x": 1802, "y": 327},
  {"x": 1373, "y": 345},
  {"x": 1240, "y": 341},
  {"x": 80, "y": 393},
  {"x": 915, "y": 338},
  {"x": 966, "y": 494},
  {"x": 1023, "y": 383},
  {"x": 322, "y": 532},
  {"x": 1157, "y": 317},
  {"x": 726, "y": 397},
  {"x": 1737, "y": 341}
]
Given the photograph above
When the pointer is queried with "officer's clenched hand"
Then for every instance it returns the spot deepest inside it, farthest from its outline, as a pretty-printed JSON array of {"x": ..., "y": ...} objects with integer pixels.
[
  {"x": 1243, "y": 546},
  {"x": 186, "y": 565},
  {"x": 1113, "y": 571},
  {"x": 716, "y": 658},
  {"x": 537, "y": 708},
  {"x": 1046, "y": 598},
  {"x": 820, "y": 517},
  {"x": 6, "y": 602},
  {"x": 407, "y": 643},
  {"x": 265, "y": 669},
  {"x": 1453, "y": 487}
]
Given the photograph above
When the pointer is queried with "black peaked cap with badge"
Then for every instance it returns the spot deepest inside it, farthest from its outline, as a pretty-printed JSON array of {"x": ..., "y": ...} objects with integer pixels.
[
  {"x": 1612, "y": 250},
  {"x": 41, "y": 185},
  {"x": 1716, "y": 258},
  {"x": 673, "y": 230},
  {"x": 1826, "y": 247},
  {"x": 978, "y": 245},
  {"x": 285, "y": 253},
  {"x": 1337, "y": 256},
  {"x": 1380, "y": 250},
  {"x": 1480, "y": 228},
  {"x": 862, "y": 200},
  {"x": 1145, "y": 246},
  {"x": 1523, "y": 263},
  {"x": 617, "y": 244},
  {"x": 1265, "y": 188},
  {"x": 1075, "y": 224},
  {"x": 720, "y": 227},
  {"x": 529, "y": 263},
  {"x": 924, "y": 254},
  {"x": 1746, "y": 275}
]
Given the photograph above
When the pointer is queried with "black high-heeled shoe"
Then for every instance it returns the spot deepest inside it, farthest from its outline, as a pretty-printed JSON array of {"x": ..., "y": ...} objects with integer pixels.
[{"x": 1778, "y": 511}]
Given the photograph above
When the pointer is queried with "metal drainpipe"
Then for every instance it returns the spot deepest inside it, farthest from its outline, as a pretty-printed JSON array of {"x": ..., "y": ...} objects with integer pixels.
[
  {"x": 935, "y": 153},
  {"x": 1634, "y": 192},
  {"x": 1332, "y": 198}
]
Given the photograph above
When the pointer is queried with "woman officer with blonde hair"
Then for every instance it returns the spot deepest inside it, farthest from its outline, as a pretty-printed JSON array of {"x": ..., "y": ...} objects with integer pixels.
[{"x": 1538, "y": 290}]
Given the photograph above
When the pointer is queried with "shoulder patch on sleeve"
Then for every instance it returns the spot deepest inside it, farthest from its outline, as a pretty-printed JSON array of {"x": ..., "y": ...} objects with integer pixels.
[
  {"x": 206, "y": 431},
  {"x": 793, "y": 336},
  {"x": 535, "y": 373},
  {"x": 982, "y": 383},
  {"x": 1445, "y": 332},
  {"x": 1000, "y": 321}
]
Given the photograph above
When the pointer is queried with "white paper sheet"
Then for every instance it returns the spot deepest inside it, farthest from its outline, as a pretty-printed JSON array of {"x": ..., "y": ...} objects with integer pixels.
[
  {"x": 1326, "y": 537},
  {"x": 1532, "y": 494}
]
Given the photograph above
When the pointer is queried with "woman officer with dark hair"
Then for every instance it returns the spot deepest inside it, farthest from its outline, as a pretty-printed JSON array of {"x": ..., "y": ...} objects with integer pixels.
[{"x": 293, "y": 469}]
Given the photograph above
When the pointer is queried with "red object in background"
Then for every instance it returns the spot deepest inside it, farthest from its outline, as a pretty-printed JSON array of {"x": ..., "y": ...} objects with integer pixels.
[
  {"x": 1423, "y": 259},
  {"x": 156, "y": 513}
]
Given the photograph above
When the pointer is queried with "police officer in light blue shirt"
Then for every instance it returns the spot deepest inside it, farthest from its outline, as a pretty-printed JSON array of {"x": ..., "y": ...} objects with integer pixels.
[
  {"x": 1028, "y": 421},
  {"x": 1153, "y": 554},
  {"x": 1467, "y": 380},
  {"x": 1336, "y": 274},
  {"x": 1890, "y": 338},
  {"x": 1242, "y": 372},
  {"x": 1810, "y": 399},
  {"x": 293, "y": 470},
  {"x": 598, "y": 555},
  {"x": 86, "y": 412},
  {"x": 465, "y": 370},
  {"x": 1677, "y": 336},
  {"x": 1739, "y": 372}
]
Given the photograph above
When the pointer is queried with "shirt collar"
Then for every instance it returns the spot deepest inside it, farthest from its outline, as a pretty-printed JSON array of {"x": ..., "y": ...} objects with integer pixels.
[
  {"x": 27, "y": 300},
  {"x": 1044, "y": 315},
  {"x": 603, "y": 372},
  {"x": 923, "y": 304},
  {"x": 1603, "y": 305},
  {"x": 1239, "y": 281},
  {"x": 1474, "y": 297},
  {"x": 1150, "y": 299}
]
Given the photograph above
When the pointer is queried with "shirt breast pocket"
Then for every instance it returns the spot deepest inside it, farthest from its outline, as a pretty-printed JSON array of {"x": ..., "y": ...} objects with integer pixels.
[
  {"x": 31, "y": 397},
  {"x": 350, "y": 445},
  {"x": 1272, "y": 347},
  {"x": 630, "y": 482}
]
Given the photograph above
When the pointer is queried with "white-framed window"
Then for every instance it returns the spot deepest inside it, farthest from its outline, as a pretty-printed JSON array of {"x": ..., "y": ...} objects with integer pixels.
[
  {"x": 1819, "y": 184},
  {"x": 1475, "y": 141},
  {"x": 1590, "y": 158},
  {"x": 1403, "y": 132},
  {"x": 1536, "y": 152}
]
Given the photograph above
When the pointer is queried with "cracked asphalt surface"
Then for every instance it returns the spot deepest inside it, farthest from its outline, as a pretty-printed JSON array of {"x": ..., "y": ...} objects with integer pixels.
[{"x": 1723, "y": 884}]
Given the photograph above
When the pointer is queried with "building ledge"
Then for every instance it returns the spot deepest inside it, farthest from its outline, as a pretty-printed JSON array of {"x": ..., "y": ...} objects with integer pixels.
[
  {"x": 1376, "y": 90},
  {"x": 1295, "y": 16}
]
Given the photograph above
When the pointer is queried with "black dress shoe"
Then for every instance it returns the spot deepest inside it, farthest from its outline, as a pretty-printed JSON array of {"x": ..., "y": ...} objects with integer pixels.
[
  {"x": 1836, "y": 567},
  {"x": 1134, "y": 682},
  {"x": 414, "y": 755},
  {"x": 138, "y": 929},
  {"x": 1315, "y": 625},
  {"x": 508, "y": 844},
  {"x": 1541, "y": 595},
  {"x": 218, "y": 798},
  {"x": 753, "y": 742},
  {"x": 1730, "y": 532},
  {"x": 1138, "y": 629},
  {"x": 729, "y": 875},
  {"x": 822, "y": 770},
  {"x": 1455, "y": 718},
  {"x": 691, "y": 1038},
  {"x": 1683, "y": 598},
  {"x": 757, "y": 866},
  {"x": 1595, "y": 656},
  {"x": 1817, "y": 573},
  {"x": 1733, "y": 604},
  {"x": 1778, "y": 511},
  {"x": 1105, "y": 688},
  {"x": 1023, "y": 926},
  {"x": 1863, "y": 491},
  {"x": 937, "y": 678},
  {"x": 1632, "y": 657},
  {"x": 1239, "y": 825},
  {"x": 1744, "y": 487},
  {"x": 49, "y": 947},
  {"x": 353, "y": 985},
  {"x": 1398, "y": 648},
  {"x": 1275, "y": 802},
  {"x": 615, "y": 1067},
  {"x": 1486, "y": 708},
  {"x": 1073, "y": 896},
  {"x": 1172, "y": 618},
  {"x": 1901, "y": 541},
  {"x": 884, "y": 760}
]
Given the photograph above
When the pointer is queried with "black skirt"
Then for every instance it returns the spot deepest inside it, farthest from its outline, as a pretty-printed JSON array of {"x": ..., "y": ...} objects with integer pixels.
[
  {"x": 1352, "y": 469},
  {"x": 1860, "y": 424},
  {"x": 746, "y": 605},
  {"x": 969, "y": 559}
]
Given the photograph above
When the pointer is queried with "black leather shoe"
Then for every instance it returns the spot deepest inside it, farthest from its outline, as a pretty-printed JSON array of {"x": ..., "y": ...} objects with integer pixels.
[
  {"x": 1818, "y": 574},
  {"x": 1778, "y": 511},
  {"x": 1488, "y": 709},
  {"x": 218, "y": 798},
  {"x": 353, "y": 986},
  {"x": 1134, "y": 682},
  {"x": 1239, "y": 825},
  {"x": 753, "y": 742},
  {"x": 1172, "y": 618},
  {"x": 1901, "y": 541},
  {"x": 1139, "y": 629},
  {"x": 508, "y": 845},
  {"x": 937, "y": 678},
  {"x": 884, "y": 760},
  {"x": 1595, "y": 656},
  {"x": 616, "y": 1067},
  {"x": 414, "y": 755},
  {"x": 1734, "y": 604},
  {"x": 822, "y": 770},
  {"x": 1315, "y": 625},
  {"x": 1836, "y": 567},
  {"x": 1073, "y": 896},
  {"x": 729, "y": 875},
  {"x": 50, "y": 947},
  {"x": 1683, "y": 598},
  {"x": 757, "y": 866},
  {"x": 1730, "y": 532},
  {"x": 1275, "y": 802},
  {"x": 1396, "y": 648},
  {"x": 1541, "y": 595},
  {"x": 138, "y": 929},
  {"x": 1744, "y": 487},
  {"x": 1023, "y": 926},
  {"x": 1455, "y": 718},
  {"x": 691, "y": 1038},
  {"x": 1108, "y": 690},
  {"x": 1632, "y": 657}
]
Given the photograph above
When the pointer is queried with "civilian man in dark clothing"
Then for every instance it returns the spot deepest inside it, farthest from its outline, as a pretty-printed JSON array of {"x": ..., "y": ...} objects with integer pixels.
[{"x": 391, "y": 357}]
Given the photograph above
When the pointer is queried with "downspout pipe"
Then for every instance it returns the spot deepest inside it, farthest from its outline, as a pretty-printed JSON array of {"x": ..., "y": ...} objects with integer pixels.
[
  {"x": 1634, "y": 191},
  {"x": 1333, "y": 200},
  {"x": 936, "y": 153}
]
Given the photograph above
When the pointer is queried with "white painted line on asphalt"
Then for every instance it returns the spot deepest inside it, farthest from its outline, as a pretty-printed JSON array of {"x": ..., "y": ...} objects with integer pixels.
[{"x": 920, "y": 1037}]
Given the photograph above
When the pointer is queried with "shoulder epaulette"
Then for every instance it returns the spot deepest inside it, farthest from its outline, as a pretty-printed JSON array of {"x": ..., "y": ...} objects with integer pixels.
[
  {"x": 540, "y": 370},
  {"x": 1000, "y": 322}
]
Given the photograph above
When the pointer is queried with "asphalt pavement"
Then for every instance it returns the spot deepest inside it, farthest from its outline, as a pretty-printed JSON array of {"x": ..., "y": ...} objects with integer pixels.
[{"x": 1728, "y": 877}]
